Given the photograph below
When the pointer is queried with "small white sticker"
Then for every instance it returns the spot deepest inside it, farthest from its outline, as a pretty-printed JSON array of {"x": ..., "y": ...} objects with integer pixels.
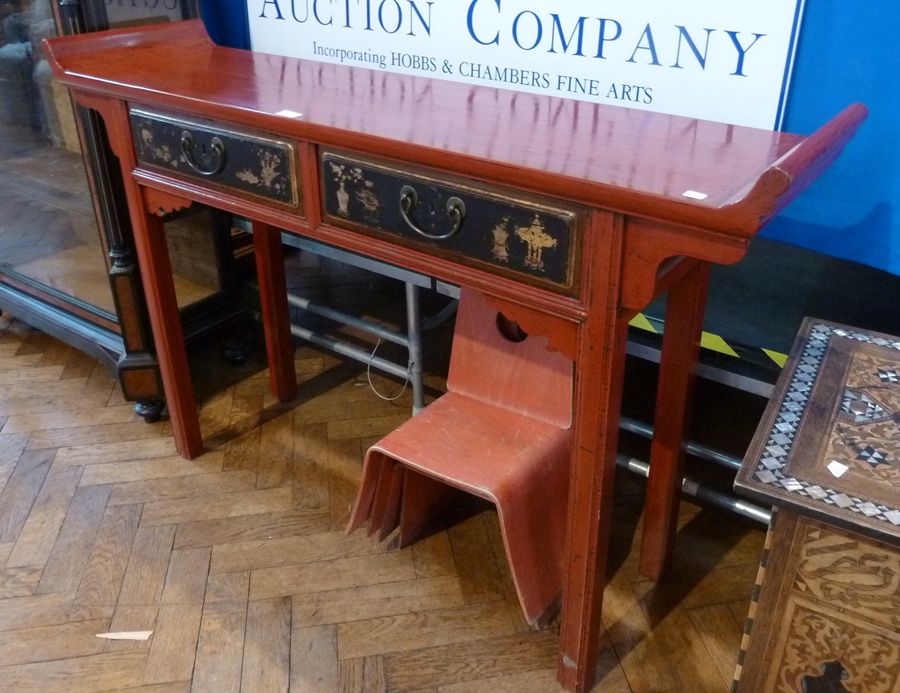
[
  {"x": 837, "y": 468},
  {"x": 127, "y": 635},
  {"x": 694, "y": 195},
  {"x": 289, "y": 114}
]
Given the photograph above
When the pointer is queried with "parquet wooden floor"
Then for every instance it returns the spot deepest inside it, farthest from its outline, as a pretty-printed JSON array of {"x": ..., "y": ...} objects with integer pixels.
[{"x": 238, "y": 562}]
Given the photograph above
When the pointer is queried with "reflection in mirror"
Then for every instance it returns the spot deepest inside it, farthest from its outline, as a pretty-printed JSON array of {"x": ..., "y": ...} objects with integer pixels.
[
  {"x": 48, "y": 231},
  {"x": 50, "y": 244},
  {"x": 195, "y": 265},
  {"x": 123, "y": 13}
]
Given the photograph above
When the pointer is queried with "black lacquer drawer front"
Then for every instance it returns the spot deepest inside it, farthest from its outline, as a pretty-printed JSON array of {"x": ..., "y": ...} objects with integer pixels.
[
  {"x": 247, "y": 163},
  {"x": 454, "y": 218}
]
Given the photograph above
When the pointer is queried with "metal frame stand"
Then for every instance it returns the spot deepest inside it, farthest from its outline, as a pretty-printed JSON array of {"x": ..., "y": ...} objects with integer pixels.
[{"x": 416, "y": 325}]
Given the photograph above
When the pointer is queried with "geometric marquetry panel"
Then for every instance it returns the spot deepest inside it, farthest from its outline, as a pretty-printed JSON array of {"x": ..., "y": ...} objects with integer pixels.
[
  {"x": 829, "y": 442},
  {"x": 826, "y": 611}
]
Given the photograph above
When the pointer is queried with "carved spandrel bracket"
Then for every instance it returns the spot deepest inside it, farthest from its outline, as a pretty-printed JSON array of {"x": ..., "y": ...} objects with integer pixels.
[
  {"x": 657, "y": 253},
  {"x": 114, "y": 115},
  {"x": 161, "y": 203}
]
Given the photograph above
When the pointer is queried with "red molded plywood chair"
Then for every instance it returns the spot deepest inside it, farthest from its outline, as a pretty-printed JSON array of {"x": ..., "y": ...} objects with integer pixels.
[{"x": 501, "y": 432}]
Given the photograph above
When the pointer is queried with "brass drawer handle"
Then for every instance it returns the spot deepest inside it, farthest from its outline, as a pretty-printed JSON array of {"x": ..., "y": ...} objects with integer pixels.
[
  {"x": 211, "y": 162},
  {"x": 456, "y": 212}
]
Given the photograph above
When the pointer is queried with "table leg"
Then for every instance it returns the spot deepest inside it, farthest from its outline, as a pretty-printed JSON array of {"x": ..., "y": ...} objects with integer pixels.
[
  {"x": 165, "y": 319},
  {"x": 598, "y": 397},
  {"x": 275, "y": 312},
  {"x": 680, "y": 349},
  {"x": 152, "y": 253},
  {"x": 414, "y": 347}
]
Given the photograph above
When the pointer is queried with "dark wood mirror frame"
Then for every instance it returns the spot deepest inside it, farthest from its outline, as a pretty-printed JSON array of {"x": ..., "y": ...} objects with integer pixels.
[{"x": 118, "y": 335}]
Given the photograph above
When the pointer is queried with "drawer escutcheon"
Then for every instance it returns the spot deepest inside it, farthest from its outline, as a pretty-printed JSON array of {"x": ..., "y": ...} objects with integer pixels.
[{"x": 456, "y": 212}]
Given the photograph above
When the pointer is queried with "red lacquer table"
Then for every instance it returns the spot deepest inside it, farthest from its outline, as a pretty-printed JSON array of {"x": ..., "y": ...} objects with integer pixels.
[{"x": 570, "y": 217}]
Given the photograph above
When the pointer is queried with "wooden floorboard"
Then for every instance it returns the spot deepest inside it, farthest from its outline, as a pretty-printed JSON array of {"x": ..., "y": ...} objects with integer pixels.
[{"x": 239, "y": 564}]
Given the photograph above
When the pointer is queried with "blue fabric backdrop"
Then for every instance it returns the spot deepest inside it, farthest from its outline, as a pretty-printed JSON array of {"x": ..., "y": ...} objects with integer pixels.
[{"x": 849, "y": 51}]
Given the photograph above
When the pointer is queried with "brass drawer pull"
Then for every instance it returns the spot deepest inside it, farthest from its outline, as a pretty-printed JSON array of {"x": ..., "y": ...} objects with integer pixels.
[
  {"x": 210, "y": 162},
  {"x": 456, "y": 212}
]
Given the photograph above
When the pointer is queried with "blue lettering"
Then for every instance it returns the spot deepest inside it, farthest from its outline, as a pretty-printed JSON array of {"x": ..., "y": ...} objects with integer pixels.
[
  {"x": 539, "y": 30},
  {"x": 683, "y": 34},
  {"x": 557, "y": 27},
  {"x": 425, "y": 25},
  {"x": 630, "y": 92},
  {"x": 471, "y": 25},
  {"x": 316, "y": 14},
  {"x": 294, "y": 11},
  {"x": 277, "y": 9},
  {"x": 739, "y": 70},
  {"x": 651, "y": 46},
  {"x": 381, "y": 16},
  {"x": 603, "y": 38}
]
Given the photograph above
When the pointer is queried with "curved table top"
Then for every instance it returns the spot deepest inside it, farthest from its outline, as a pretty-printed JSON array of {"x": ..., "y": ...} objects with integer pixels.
[{"x": 708, "y": 175}]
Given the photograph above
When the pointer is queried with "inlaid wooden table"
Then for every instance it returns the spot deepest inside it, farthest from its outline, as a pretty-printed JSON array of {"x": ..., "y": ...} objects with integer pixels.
[
  {"x": 826, "y": 616},
  {"x": 570, "y": 217}
]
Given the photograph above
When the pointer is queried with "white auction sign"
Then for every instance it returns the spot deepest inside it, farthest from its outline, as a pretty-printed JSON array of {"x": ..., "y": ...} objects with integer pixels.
[{"x": 722, "y": 60}]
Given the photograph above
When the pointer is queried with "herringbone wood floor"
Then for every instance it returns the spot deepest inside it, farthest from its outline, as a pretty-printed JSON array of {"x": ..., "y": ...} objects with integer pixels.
[{"x": 238, "y": 562}]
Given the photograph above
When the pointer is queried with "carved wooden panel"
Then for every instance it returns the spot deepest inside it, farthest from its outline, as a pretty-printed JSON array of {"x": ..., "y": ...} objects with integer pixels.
[{"x": 827, "y": 618}]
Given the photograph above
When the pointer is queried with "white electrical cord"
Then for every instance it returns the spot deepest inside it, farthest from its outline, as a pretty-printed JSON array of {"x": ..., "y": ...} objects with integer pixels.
[{"x": 386, "y": 398}]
